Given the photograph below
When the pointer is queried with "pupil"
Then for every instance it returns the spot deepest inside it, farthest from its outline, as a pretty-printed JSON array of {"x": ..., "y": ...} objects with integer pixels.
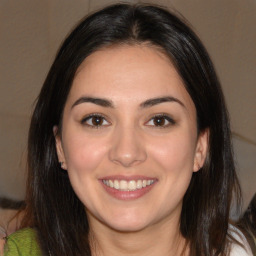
[
  {"x": 159, "y": 121},
  {"x": 97, "y": 120}
]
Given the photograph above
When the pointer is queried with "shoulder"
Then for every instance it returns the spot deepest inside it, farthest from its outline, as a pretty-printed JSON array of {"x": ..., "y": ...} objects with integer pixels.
[
  {"x": 235, "y": 249},
  {"x": 23, "y": 242}
]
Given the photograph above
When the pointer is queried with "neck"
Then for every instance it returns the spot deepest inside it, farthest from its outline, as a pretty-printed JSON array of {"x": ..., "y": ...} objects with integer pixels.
[{"x": 158, "y": 239}]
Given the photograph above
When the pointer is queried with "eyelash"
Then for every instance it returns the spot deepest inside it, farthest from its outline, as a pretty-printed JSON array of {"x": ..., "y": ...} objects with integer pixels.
[
  {"x": 85, "y": 120},
  {"x": 167, "y": 118}
]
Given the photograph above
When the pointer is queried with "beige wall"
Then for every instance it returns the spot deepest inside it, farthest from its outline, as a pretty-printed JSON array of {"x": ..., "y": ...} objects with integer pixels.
[{"x": 31, "y": 31}]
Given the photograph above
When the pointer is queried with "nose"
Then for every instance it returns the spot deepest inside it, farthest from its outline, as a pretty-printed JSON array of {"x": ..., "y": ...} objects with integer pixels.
[{"x": 127, "y": 147}]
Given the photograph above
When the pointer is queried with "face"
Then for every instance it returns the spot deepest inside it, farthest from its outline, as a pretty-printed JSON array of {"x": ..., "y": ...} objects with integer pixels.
[{"x": 129, "y": 139}]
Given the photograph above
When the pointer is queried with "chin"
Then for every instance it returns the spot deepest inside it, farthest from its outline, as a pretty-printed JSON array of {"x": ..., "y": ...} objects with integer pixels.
[
  {"x": 128, "y": 223},
  {"x": 128, "y": 226}
]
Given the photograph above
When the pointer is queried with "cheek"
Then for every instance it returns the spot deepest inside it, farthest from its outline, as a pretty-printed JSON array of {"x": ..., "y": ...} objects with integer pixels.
[
  {"x": 84, "y": 154},
  {"x": 174, "y": 153},
  {"x": 174, "y": 156}
]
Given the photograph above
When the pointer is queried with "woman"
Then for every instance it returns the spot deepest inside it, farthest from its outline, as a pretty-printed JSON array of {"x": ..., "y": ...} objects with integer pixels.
[{"x": 129, "y": 148}]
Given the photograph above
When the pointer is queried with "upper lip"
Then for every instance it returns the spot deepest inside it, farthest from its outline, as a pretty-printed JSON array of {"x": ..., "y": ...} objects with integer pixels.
[{"x": 127, "y": 178}]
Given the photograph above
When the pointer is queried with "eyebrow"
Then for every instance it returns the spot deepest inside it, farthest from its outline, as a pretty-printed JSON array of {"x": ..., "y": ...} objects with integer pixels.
[
  {"x": 156, "y": 101},
  {"x": 109, "y": 104},
  {"x": 98, "y": 101}
]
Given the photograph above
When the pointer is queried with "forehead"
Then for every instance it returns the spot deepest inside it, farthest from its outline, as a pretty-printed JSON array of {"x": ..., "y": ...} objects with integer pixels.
[{"x": 128, "y": 73}]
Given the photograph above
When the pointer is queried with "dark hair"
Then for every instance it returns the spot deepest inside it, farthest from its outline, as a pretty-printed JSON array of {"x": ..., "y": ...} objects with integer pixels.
[{"x": 52, "y": 206}]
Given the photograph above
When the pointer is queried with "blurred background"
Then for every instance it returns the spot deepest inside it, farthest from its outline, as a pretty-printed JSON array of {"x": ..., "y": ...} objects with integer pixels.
[{"x": 32, "y": 30}]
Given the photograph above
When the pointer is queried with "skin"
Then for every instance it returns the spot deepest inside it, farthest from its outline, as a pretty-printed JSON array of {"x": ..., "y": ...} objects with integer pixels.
[{"x": 128, "y": 142}]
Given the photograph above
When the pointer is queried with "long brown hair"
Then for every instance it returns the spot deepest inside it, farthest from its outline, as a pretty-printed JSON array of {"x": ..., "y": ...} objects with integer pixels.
[{"x": 52, "y": 206}]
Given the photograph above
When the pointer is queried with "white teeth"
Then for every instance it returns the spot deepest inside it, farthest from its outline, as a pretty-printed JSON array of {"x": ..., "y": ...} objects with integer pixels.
[
  {"x": 111, "y": 184},
  {"x": 139, "y": 184},
  {"x": 131, "y": 185},
  {"x": 123, "y": 185},
  {"x": 116, "y": 184}
]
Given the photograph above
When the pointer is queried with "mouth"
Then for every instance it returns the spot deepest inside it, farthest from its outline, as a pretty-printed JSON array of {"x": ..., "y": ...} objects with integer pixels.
[
  {"x": 131, "y": 185},
  {"x": 128, "y": 188}
]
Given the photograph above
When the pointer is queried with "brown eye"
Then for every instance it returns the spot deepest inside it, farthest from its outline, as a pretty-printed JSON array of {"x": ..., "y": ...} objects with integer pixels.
[
  {"x": 160, "y": 121},
  {"x": 95, "y": 121}
]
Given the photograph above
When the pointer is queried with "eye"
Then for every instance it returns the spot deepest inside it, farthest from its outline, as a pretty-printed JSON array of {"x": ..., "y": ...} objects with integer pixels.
[
  {"x": 95, "y": 121},
  {"x": 160, "y": 121}
]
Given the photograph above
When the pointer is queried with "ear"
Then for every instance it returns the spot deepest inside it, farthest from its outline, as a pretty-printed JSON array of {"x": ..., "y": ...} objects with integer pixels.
[
  {"x": 201, "y": 150},
  {"x": 59, "y": 148}
]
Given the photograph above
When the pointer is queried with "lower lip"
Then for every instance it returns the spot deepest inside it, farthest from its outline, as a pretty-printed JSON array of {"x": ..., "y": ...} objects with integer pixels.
[{"x": 127, "y": 195}]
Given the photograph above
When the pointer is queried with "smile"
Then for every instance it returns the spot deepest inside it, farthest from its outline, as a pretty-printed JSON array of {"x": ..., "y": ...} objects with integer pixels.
[{"x": 131, "y": 185}]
